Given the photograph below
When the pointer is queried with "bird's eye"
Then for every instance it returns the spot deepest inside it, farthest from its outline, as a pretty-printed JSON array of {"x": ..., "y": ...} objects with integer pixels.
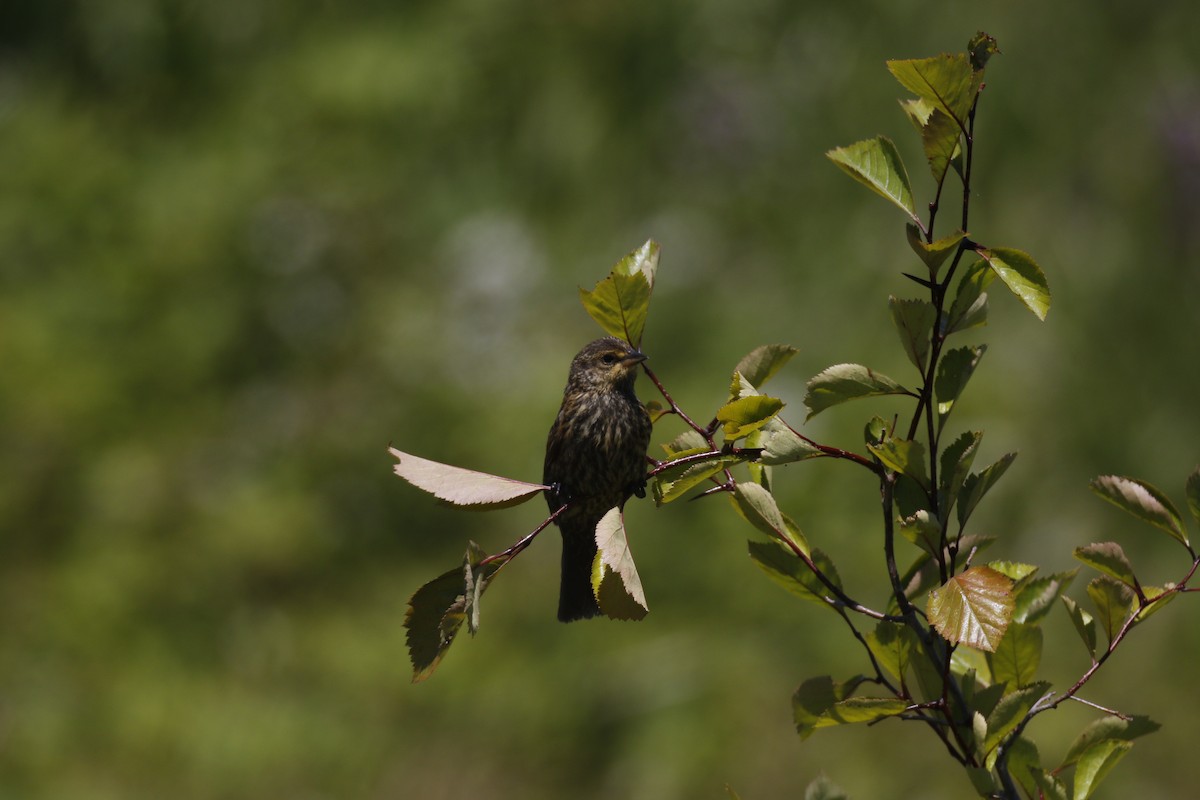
[{"x": 609, "y": 358}]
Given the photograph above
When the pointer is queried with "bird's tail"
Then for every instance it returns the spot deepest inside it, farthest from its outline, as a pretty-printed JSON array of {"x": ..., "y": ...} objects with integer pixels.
[{"x": 575, "y": 597}]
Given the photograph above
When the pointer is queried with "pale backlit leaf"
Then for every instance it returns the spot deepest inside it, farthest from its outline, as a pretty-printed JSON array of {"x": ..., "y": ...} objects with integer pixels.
[
  {"x": 462, "y": 487},
  {"x": 620, "y": 302},
  {"x": 615, "y": 579},
  {"x": 1095, "y": 763}
]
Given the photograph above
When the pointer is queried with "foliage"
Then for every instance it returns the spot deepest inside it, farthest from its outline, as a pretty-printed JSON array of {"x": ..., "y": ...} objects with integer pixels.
[{"x": 966, "y": 667}]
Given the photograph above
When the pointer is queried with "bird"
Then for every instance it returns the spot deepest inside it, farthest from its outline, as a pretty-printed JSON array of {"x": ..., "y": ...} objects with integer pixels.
[{"x": 595, "y": 460}]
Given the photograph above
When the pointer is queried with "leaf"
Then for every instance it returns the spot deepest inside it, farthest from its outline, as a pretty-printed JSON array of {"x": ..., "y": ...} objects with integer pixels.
[
  {"x": 972, "y": 608},
  {"x": 816, "y": 696},
  {"x": 675, "y": 483},
  {"x": 1106, "y": 728},
  {"x": 906, "y": 456},
  {"x": 1156, "y": 599},
  {"x": 758, "y": 507},
  {"x": 969, "y": 308},
  {"x": 824, "y": 789},
  {"x": 1084, "y": 624},
  {"x": 687, "y": 442},
  {"x": 955, "y": 370},
  {"x": 876, "y": 164},
  {"x": 821, "y": 703},
  {"x": 892, "y": 644},
  {"x": 619, "y": 303},
  {"x": 1023, "y": 277},
  {"x": 780, "y": 444},
  {"x": 981, "y": 47},
  {"x": 1113, "y": 601},
  {"x": 1009, "y": 712},
  {"x": 1193, "y": 493},
  {"x": 1022, "y": 759},
  {"x": 1143, "y": 501},
  {"x": 940, "y": 139},
  {"x": 934, "y": 254},
  {"x": 463, "y": 487},
  {"x": 914, "y": 322},
  {"x": 1094, "y": 765},
  {"x": 843, "y": 382},
  {"x": 956, "y": 462},
  {"x": 1036, "y": 597},
  {"x": 789, "y": 571},
  {"x": 747, "y": 414},
  {"x": 437, "y": 610},
  {"x": 923, "y": 530},
  {"x": 762, "y": 362},
  {"x": 1016, "y": 659},
  {"x": 946, "y": 81},
  {"x": 614, "y": 576},
  {"x": 1051, "y": 787},
  {"x": 978, "y": 484},
  {"x": 1109, "y": 558}
]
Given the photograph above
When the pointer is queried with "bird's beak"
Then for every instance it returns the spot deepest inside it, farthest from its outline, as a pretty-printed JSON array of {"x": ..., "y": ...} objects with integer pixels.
[{"x": 636, "y": 357}]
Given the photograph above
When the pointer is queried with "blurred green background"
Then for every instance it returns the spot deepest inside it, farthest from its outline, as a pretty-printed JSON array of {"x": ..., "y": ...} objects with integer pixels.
[{"x": 246, "y": 244}]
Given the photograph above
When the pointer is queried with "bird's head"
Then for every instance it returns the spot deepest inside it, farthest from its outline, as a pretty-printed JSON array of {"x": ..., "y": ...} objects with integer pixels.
[{"x": 607, "y": 363}]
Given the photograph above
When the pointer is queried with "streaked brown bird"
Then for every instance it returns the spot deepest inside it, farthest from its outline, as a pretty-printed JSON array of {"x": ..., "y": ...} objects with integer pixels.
[{"x": 595, "y": 459}]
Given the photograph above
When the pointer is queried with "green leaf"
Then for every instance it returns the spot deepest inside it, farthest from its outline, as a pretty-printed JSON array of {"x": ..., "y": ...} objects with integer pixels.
[
  {"x": 1143, "y": 501},
  {"x": 687, "y": 442},
  {"x": 1095, "y": 763},
  {"x": 780, "y": 444},
  {"x": 1036, "y": 597},
  {"x": 1051, "y": 787},
  {"x": 978, "y": 484},
  {"x": 815, "y": 697},
  {"x": 906, "y": 456},
  {"x": 675, "y": 483},
  {"x": 1009, "y": 712},
  {"x": 1022, "y": 759},
  {"x": 1109, "y": 558},
  {"x": 940, "y": 138},
  {"x": 972, "y": 608},
  {"x": 747, "y": 414},
  {"x": 876, "y": 164},
  {"x": 892, "y": 644},
  {"x": 463, "y": 487},
  {"x": 914, "y": 322},
  {"x": 762, "y": 362},
  {"x": 1113, "y": 601},
  {"x": 789, "y": 571},
  {"x": 934, "y": 254},
  {"x": 1022, "y": 275},
  {"x": 615, "y": 579},
  {"x": 1014, "y": 571},
  {"x": 956, "y": 462},
  {"x": 437, "y": 610},
  {"x": 758, "y": 507},
  {"x": 954, "y": 372},
  {"x": 1084, "y": 624},
  {"x": 1016, "y": 659},
  {"x": 824, "y": 789},
  {"x": 969, "y": 309},
  {"x": 1108, "y": 728},
  {"x": 843, "y": 382},
  {"x": 923, "y": 530},
  {"x": 619, "y": 303},
  {"x": 1156, "y": 598},
  {"x": 1193, "y": 493},
  {"x": 982, "y": 47},
  {"x": 981, "y": 781},
  {"x": 946, "y": 81}
]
